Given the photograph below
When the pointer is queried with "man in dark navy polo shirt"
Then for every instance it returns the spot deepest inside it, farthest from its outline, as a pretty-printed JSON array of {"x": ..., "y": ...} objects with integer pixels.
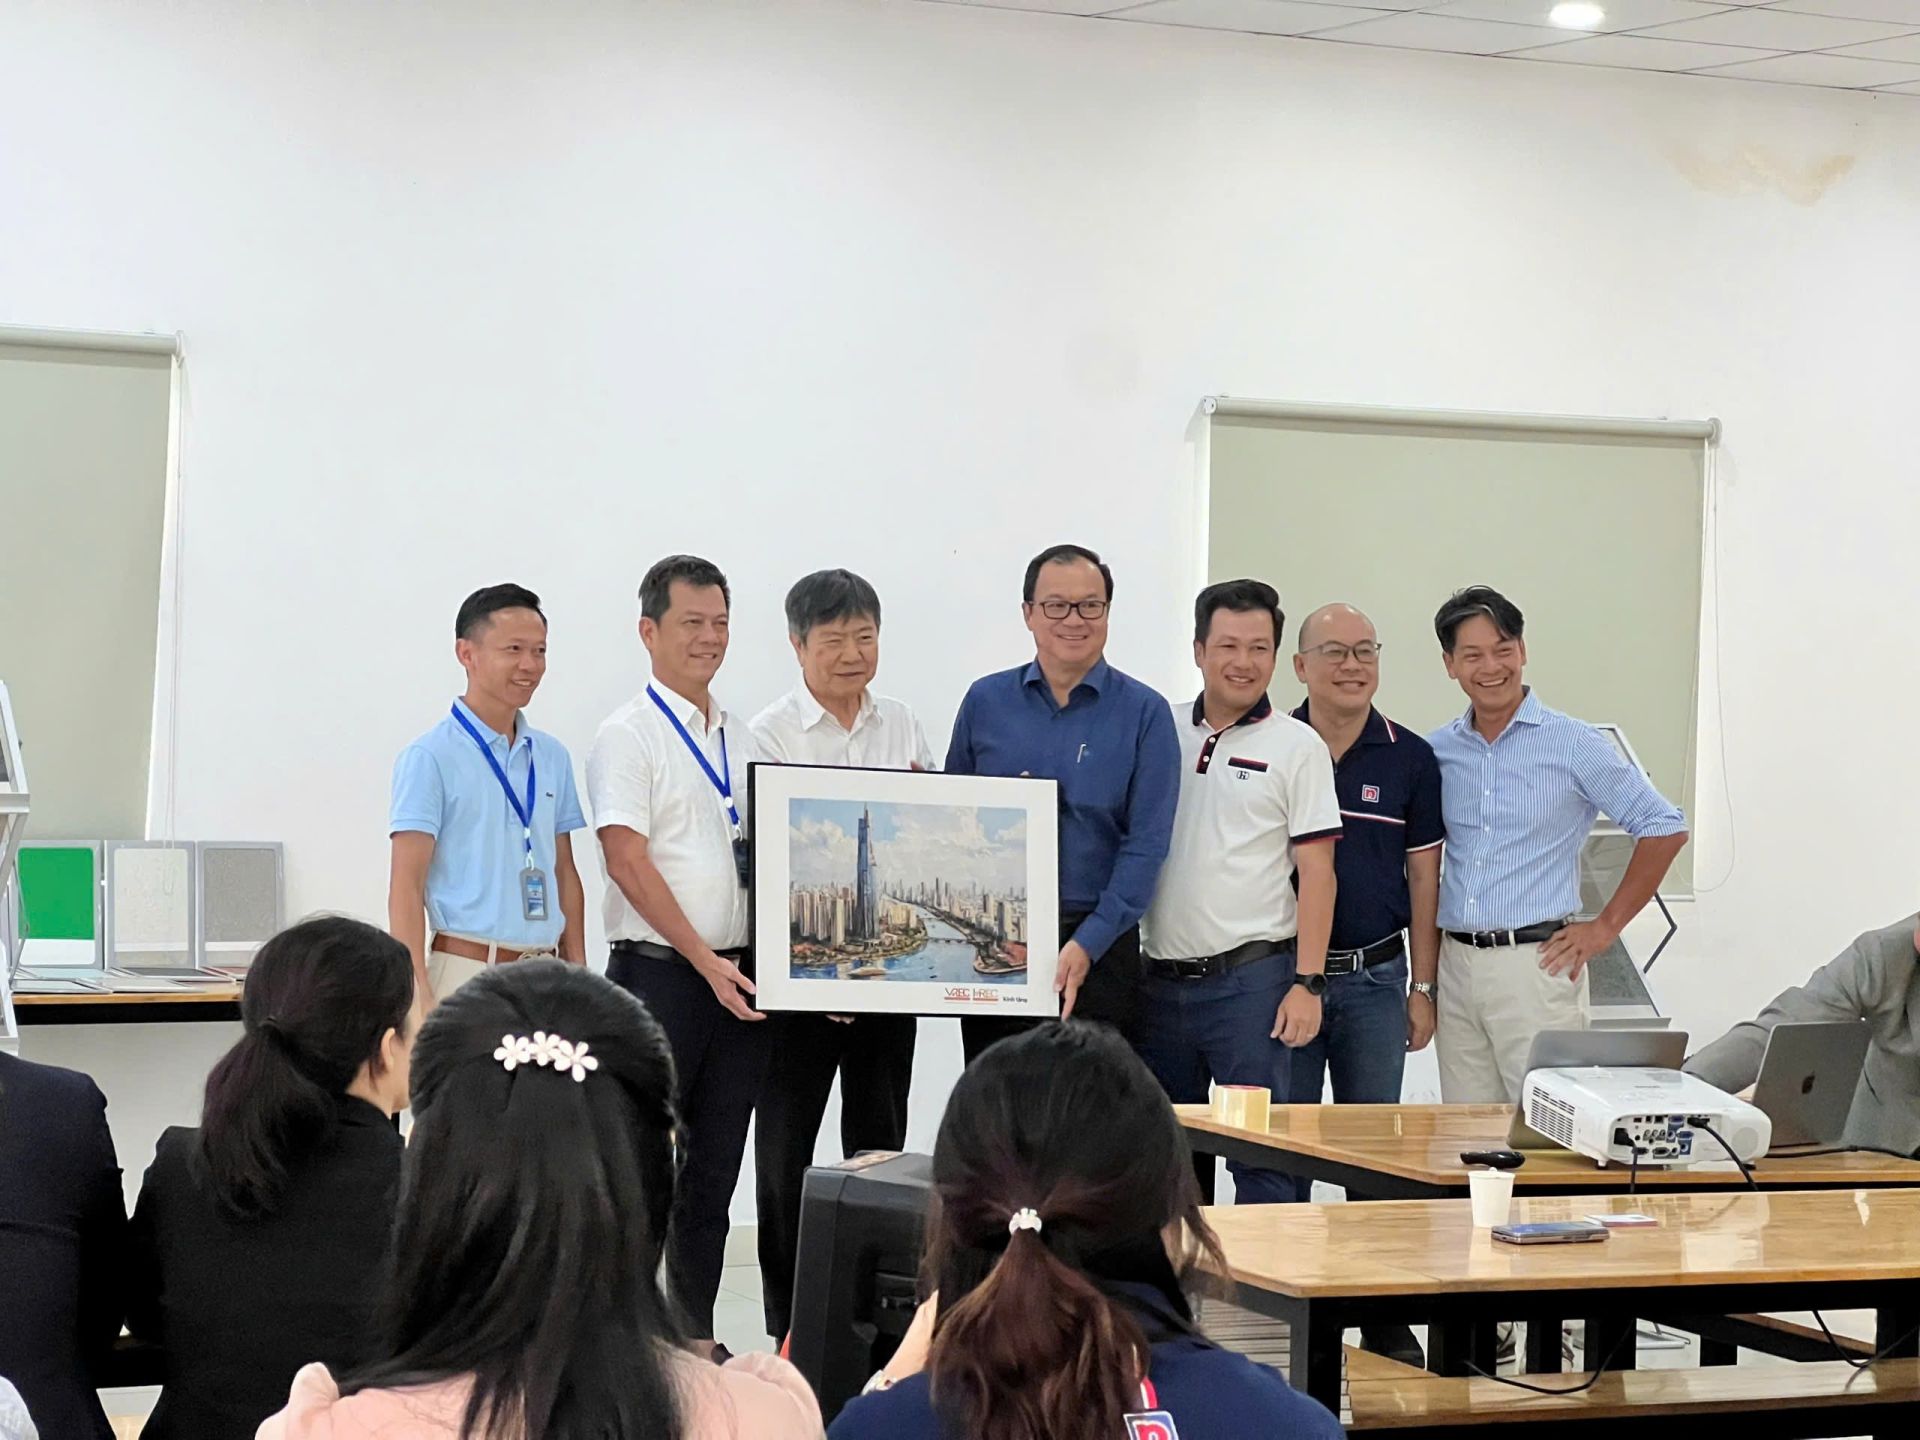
[
  {"x": 1387, "y": 870},
  {"x": 1387, "y": 867},
  {"x": 1109, "y": 741}
]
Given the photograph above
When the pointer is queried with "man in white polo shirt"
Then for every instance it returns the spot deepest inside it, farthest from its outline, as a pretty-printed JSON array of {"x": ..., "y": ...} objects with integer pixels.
[
  {"x": 830, "y": 717},
  {"x": 666, "y": 780},
  {"x": 1235, "y": 968}
]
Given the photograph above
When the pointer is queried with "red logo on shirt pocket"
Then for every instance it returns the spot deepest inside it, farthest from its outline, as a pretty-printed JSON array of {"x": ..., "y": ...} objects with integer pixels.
[
  {"x": 1370, "y": 794},
  {"x": 1238, "y": 764}
]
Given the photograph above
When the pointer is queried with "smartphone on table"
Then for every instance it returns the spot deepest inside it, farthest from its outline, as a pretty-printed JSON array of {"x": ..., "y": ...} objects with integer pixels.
[{"x": 1550, "y": 1232}]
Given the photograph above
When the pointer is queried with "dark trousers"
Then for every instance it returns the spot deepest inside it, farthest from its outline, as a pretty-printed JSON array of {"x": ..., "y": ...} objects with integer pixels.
[
  {"x": 1220, "y": 1029},
  {"x": 1362, "y": 1043},
  {"x": 720, "y": 1062},
  {"x": 1111, "y": 995},
  {"x": 873, "y": 1056}
]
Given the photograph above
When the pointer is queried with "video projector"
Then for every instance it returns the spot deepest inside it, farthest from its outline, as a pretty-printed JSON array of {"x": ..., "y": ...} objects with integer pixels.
[{"x": 1607, "y": 1113}]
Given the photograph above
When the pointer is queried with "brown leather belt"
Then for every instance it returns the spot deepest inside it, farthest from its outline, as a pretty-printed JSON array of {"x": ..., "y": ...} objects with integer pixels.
[{"x": 474, "y": 950}]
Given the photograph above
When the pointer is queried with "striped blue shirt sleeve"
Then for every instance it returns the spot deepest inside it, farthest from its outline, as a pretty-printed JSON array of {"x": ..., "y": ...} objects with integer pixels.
[{"x": 1621, "y": 792}]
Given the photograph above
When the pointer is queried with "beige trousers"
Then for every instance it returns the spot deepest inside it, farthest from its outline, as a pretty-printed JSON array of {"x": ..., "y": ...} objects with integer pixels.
[
  {"x": 1491, "y": 1005},
  {"x": 447, "y": 973}
]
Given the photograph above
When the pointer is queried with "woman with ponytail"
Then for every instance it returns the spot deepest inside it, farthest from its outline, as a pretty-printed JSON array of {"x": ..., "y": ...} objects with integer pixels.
[
  {"x": 525, "y": 1301},
  {"x": 259, "y": 1237},
  {"x": 1065, "y": 1230}
]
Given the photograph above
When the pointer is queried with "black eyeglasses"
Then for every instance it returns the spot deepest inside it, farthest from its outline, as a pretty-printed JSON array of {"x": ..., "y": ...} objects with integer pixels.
[
  {"x": 1366, "y": 652},
  {"x": 1060, "y": 609}
]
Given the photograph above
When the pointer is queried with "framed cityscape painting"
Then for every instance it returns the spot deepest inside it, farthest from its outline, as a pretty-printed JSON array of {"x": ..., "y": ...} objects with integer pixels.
[{"x": 904, "y": 892}]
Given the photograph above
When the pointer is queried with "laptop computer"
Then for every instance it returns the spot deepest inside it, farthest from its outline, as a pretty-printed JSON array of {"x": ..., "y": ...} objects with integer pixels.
[
  {"x": 1569, "y": 1049},
  {"x": 1808, "y": 1077}
]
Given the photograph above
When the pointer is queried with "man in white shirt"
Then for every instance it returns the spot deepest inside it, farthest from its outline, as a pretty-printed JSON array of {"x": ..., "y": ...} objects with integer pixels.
[
  {"x": 666, "y": 781},
  {"x": 830, "y": 718},
  {"x": 1235, "y": 967}
]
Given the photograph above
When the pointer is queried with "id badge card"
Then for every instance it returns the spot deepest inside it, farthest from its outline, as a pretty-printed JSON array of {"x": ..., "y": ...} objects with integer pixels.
[
  {"x": 743, "y": 859},
  {"x": 533, "y": 893}
]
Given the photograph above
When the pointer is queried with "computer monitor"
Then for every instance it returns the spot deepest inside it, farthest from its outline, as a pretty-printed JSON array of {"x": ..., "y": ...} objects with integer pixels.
[{"x": 862, "y": 1226}]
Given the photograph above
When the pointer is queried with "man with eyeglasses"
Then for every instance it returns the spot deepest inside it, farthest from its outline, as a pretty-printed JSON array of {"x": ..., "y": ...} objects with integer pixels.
[
  {"x": 1521, "y": 786},
  {"x": 1108, "y": 740},
  {"x": 1387, "y": 865}
]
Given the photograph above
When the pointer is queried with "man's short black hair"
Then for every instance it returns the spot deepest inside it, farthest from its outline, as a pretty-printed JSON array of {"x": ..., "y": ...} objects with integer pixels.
[
  {"x": 1463, "y": 605},
  {"x": 1053, "y": 555},
  {"x": 479, "y": 608},
  {"x": 829, "y": 595},
  {"x": 656, "y": 590},
  {"x": 1241, "y": 597}
]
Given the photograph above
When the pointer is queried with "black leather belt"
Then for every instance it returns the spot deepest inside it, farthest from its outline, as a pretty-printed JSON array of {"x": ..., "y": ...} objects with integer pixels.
[
  {"x": 1494, "y": 939},
  {"x": 1352, "y": 962},
  {"x": 648, "y": 950},
  {"x": 1203, "y": 967}
]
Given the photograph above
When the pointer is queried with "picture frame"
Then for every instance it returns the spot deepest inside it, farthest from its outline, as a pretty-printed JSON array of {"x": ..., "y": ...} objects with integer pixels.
[{"x": 948, "y": 904}]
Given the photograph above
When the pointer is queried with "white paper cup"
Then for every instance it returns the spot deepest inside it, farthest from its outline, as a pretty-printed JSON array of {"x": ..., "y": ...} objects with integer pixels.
[{"x": 1492, "y": 1192}]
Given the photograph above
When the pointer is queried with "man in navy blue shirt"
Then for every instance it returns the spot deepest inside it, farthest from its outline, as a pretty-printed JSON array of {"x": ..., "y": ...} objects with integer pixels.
[
  {"x": 1388, "y": 867},
  {"x": 1109, "y": 741}
]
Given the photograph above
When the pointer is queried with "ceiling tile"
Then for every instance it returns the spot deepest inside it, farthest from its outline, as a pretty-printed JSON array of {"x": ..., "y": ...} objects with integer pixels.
[
  {"x": 1441, "y": 32},
  {"x": 1049, "y": 7},
  {"x": 1894, "y": 12},
  {"x": 1834, "y": 70},
  {"x": 1776, "y": 30},
  {"x": 1620, "y": 14},
  {"x": 1906, "y": 48},
  {"x": 1256, "y": 17},
  {"x": 1635, "y": 52}
]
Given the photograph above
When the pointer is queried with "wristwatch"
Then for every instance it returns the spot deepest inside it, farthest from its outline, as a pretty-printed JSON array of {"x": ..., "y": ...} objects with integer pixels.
[
  {"x": 1316, "y": 984},
  {"x": 1423, "y": 987}
]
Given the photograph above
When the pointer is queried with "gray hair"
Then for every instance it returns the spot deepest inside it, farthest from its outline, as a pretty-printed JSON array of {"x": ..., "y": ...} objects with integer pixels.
[{"x": 826, "y": 596}]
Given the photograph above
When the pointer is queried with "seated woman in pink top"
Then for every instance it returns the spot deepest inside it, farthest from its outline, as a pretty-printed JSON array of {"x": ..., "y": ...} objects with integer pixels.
[{"x": 523, "y": 1301}]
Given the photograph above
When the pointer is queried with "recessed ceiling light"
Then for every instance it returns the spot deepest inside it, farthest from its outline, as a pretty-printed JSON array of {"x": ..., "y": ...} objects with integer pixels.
[{"x": 1576, "y": 15}]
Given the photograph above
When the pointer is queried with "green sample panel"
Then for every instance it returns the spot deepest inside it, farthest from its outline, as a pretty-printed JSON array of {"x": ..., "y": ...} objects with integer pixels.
[{"x": 57, "y": 892}]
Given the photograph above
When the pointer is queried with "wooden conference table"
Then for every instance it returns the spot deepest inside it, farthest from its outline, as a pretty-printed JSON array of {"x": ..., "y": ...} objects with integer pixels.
[
  {"x": 1324, "y": 1268},
  {"x": 146, "y": 1007},
  {"x": 1412, "y": 1152}
]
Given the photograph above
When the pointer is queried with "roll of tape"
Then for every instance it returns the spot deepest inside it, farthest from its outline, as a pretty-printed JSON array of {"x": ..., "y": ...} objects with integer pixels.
[{"x": 1244, "y": 1107}]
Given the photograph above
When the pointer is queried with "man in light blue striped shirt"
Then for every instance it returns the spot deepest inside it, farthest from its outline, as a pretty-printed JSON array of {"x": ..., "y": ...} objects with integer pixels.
[{"x": 1521, "y": 787}]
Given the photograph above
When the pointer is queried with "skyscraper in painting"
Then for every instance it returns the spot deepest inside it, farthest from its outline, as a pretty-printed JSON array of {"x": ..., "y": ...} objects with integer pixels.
[{"x": 866, "y": 900}]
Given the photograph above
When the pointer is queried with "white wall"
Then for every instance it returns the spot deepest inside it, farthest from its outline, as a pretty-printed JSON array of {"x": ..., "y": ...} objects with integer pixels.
[{"x": 481, "y": 290}]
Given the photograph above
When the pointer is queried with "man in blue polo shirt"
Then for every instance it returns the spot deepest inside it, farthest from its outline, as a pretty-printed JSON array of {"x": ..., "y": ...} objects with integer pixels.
[
  {"x": 1521, "y": 786},
  {"x": 482, "y": 813},
  {"x": 1388, "y": 868},
  {"x": 1109, "y": 741}
]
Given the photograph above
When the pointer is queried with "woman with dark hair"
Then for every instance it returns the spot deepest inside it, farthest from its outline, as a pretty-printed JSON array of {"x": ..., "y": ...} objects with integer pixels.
[
  {"x": 259, "y": 1237},
  {"x": 1065, "y": 1227},
  {"x": 524, "y": 1301}
]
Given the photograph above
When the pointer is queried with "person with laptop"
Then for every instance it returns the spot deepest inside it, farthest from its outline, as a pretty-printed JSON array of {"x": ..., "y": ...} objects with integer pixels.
[
  {"x": 1875, "y": 980},
  {"x": 1521, "y": 787},
  {"x": 483, "y": 811}
]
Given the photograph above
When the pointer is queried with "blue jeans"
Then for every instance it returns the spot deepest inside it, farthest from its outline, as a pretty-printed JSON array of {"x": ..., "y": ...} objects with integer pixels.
[
  {"x": 1221, "y": 1028},
  {"x": 1362, "y": 1040}
]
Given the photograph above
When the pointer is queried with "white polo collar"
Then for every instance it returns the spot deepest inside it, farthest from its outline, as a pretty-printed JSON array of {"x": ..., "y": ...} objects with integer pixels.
[{"x": 812, "y": 712}]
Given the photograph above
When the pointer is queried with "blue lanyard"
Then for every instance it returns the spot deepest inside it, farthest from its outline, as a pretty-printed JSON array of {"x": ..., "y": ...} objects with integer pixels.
[
  {"x": 523, "y": 812},
  {"x": 724, "y": 784}
]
